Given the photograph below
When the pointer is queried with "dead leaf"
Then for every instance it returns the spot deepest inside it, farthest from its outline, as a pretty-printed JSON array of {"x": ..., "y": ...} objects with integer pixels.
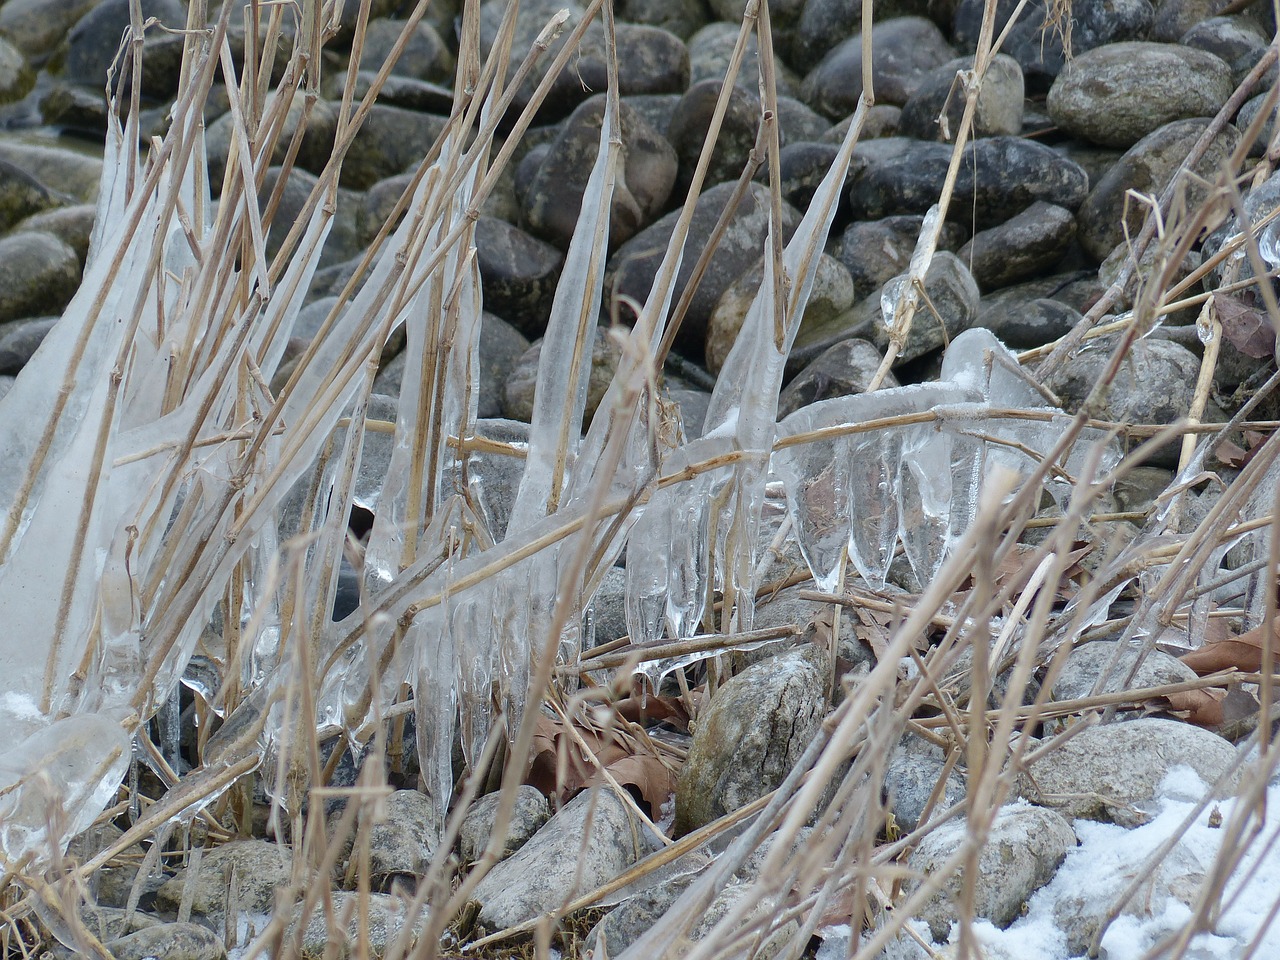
[
  {"x": 1246, "y": 328},
  {"x": 1233, "y": 653},
  {"x": 1202, "y": 707}
]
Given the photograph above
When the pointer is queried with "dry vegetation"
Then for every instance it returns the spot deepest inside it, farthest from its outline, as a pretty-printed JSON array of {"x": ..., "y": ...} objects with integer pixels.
[{"x": 216, "y": 499}]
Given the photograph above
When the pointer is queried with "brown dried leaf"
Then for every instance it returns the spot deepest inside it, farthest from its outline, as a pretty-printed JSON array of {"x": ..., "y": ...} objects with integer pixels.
[
  {"x": 1234, "y": 653},
  {"x": 1202, "y": 707},
  {"x": 1246, "y": 328},
  {"x": 650, "y": 776}
]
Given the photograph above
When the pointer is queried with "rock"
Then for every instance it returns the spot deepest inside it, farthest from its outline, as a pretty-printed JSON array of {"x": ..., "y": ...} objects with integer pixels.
[
  {"x": 260, "y": 867},
  {"x": 425, "y": 56},
  {"x": 345, "y": 236},
  {"x": 636, "y": 915},
  {"x": 1147, "y": 168},
  {"x": 39, "y": 275},
  {"x": 998, "y": 112},
  {"x": 1245, "y": 118},
  {"x": 954, "y": 295},
  {"x": 1236, "y": 41},
  {"x": 22, "y": 195},
  {"x": 317, "y": 141},
  {"x": 6, "y": 384},
  {"x": 35, "y": 27},
  {"x": 553, "y": 199},
  {"x": 1036, "y": 41},
  {"x": 999, "y": 177},
  {"x": 495, "y": 477},
  {"x": 1093, "y": 159},
  {"x": 903, "y": 51},
  {"x": 728, "y": 899},
  {"x": 518, "y": 392},
  {"x": 402, "y": 844},
  {"x": 1117, "y": 94},
  {"x": 562, "y": 860},
  {"x": 1023, "y": 324},
  {"x": 1175, "y": 17},
  {"x": 169, "y": 941},
  {"x": 876, "y": 251},
  {"x": 691, "y": 120},
  {"x": 501, "y": 347},
  {"x": 111, "y": 923},
  {"x": 801, "y": 168},
  {"x": 680, "y": 17},
  {"x": 1155, "y": 384},
  {"x": 384, "y": 920},
  {"x": 711, "y": 49},
  {"x": 406, "y": 92},
  {"x": 1113, "y": 772},
  {"x": 1024, "y": 849},
  {"x": 634, "y": 265},
  {"x": 61, "y": 171},
  {"x": 16, "y": 78},
  {"x": 832, "y": 294},
  {"x": 788, "y": 608},
  {"x": 518, "y": 274},
  {"x": 1137, "y": 491},
  {"x": 750, "y": 735},
  {"x": 914, "y": 769},
  {"x": 882, "y": 121},
  {"x": 389, "y": 142},
  {"x": 841, "y": 370},
  {"x": 798, "y": 122},
  {"x": 93, "y": 42},
  {"x": 1024, "y": 246},
  {"x": 18, "y": 341},
  {"x": 1090, "y": 662},
  {"x": 527, "y": 817},
  {"x": 79, "y": 109}
]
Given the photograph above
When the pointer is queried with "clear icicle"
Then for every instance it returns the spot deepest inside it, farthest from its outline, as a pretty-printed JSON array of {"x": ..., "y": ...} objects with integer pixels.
[{"x": 816, "y": 477}]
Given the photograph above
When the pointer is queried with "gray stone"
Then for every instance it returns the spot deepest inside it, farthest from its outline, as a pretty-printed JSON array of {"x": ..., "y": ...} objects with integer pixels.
[
  {"x": 1155, "y": 384},
  {"x": 798, "y": 122},
  {"x": 788, "y": 608},
  {"x": 1037, "y": 40},
  {"x": 882, "y": 121},
  {"x": 681, "y": 17},
  {"x": 16, "y": 77},
  {"x": 750, "y": 735},
  {"x": 998, "y": 178},
  {"x": 517, "y": 402},
  {"x": 94, "y": 41},
  {"x": 1087, "y": 665},
  {"x": 876, "y": 251},
  {"x": 1117, "y": 94},
  {"x": 169, "y": 941},
  {"x": 344, "y": 241},
  {"x": 636, "y": 915},
  {"x": 903, "y": 51},
  {"x": 1175, "y": 17},
  {"x": 711, "y": 49},
  {"x": 832, "y": 294},
  {"x": 389, "y": 142},
  {"x": 518, "y": 274},
  {"x": 402, "y": 844},
  {"x": 39, "y": 275},
  {"x": 1024, "y": 246},
  {"x": 527, "y": 817},
  {"x": 407, "y": 92},
  {"x": 112, "y": 923},
  {"x": 1236, "y": 41},
  {"x": 1093, "y": 159},
  {"x": 35, "y": 27},
  {"x": 841, "y": 370},
  {"x": 998, "y": 111},
  {"x": 801, "y": 168},
  {"x": 1024, "y": 849},
  {"x": 260, "y": 867},
  {"x": 1147, "y": 169},
  {"x": 382, "y": 918},
  {"x": 1022, "y": 324},
  {"x": 954, "y": 295},
  {"x": 425, "y": 56},
  {"x": 22, "y": 195},
  {"x": 563, "y": 860},
  {"x": 1113, "y": 772},
  {"x": 915, "y": 766},
  {"x": 19, "y": 340},
  {"x": 79, "y": 109},
  {"x": 1245, "y": 118},
  {"x": 6, "y": 384},
  {"x": 634, "y": 265},
  {"x": 62, "y": 171},
  {"x": 313, "y": 154},
  {"x": 691, "y": 120},
  {"x": 1137, "y": 490},
  {"x": 552, "y": 202}
]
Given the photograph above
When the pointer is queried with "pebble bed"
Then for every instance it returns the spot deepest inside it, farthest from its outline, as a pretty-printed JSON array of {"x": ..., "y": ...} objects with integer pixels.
[{"x": 1064, "y": 139}]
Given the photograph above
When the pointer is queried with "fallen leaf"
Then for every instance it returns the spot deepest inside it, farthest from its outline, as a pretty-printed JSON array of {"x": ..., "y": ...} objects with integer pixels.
[
  {"x": 1233, "y": 653},
  {"x": 1245, "y": 327},
  {"x": 1202, "y": 707}
]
